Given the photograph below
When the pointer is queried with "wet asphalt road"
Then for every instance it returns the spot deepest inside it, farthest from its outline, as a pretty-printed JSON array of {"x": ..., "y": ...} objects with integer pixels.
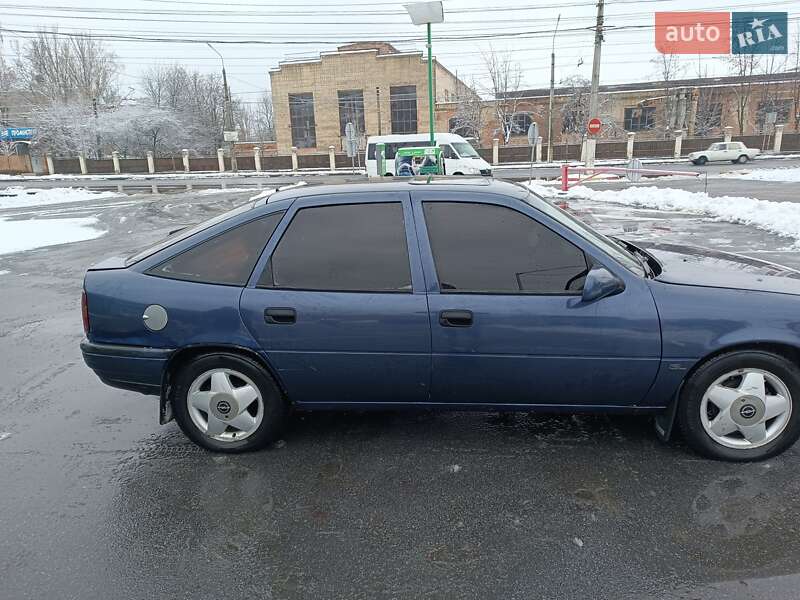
[{"x": 99, "y": 501}]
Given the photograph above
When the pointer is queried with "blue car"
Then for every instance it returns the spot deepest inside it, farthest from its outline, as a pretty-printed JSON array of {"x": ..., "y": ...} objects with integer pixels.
[{"x": 451, "y": 294}]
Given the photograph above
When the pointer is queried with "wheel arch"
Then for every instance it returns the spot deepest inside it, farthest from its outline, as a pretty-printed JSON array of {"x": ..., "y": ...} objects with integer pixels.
[
  {"x": 665, "y": 421},
  {"x": 185, "y": 354}
]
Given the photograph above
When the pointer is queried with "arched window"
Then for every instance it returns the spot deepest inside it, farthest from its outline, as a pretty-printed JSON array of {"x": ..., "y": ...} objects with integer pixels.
[
  {"x": 459, "y": 127},
  {"x": 520, "y": 122}
]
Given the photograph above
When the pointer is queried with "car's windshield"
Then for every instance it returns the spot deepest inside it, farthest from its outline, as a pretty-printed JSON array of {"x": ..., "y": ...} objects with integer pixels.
[
  {"x": 617, "y": 252},
  {"x": 185, "y": 233},
  {"x": 465, "y": 150}
]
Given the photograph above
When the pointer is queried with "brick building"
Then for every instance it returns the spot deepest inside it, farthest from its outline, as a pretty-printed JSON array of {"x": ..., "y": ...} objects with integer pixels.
[
  {"x": 653, "y": 110},
  {"x": 371, "y": 84}
]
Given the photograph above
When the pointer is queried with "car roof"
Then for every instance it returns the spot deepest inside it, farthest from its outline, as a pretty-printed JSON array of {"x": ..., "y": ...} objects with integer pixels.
[
  {"x": 483, "y": 185},
  {"x": 413, "y": 137}
]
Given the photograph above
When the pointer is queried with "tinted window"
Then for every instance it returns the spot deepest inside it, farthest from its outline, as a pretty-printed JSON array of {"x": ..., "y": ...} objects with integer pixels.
[
  {"x": 349, "y": 247},
  {"x": 487, "y": 248},
  {"x": 228, "y": 258}
]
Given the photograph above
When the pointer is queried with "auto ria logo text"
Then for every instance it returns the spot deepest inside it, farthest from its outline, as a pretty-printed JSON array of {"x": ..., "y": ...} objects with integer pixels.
[{"x": 721, "y": 32}]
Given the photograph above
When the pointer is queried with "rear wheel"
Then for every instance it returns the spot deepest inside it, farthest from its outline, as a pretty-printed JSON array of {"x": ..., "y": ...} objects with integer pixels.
[
  {"x": 701, "y": 161},
  {"x": 228, "y": 403},
  {"x": 742, "y": 159},
  {"x": 740, "y": 406}
]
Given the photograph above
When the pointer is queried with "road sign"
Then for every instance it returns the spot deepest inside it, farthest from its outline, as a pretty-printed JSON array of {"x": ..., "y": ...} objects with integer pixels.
[
  {"x": 634, "y": 170},
  {"x": 594, "y": 126},
  {"x": 351, "y": 142},
  {"x": 533, "y": 134}
]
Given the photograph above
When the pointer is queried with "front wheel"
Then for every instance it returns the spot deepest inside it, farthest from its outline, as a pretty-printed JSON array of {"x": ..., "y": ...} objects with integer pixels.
[
  {"x": 228, "y": 403},
  {"x": 740, "y": 406}
]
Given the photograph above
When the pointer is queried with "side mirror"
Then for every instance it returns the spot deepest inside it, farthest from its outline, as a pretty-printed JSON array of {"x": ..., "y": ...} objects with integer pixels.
[{"x": 601, "y": 283}]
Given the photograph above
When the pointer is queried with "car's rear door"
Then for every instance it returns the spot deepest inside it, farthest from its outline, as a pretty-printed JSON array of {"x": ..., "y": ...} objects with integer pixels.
[
  {"x": 337, "y": 301},
  {"x": 508, "y": 324}
]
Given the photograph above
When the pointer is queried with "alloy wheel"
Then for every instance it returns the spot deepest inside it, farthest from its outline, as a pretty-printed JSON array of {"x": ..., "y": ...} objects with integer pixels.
[
  {"x": 746, "y": 408},
  {"x": 225, "y": 405}
]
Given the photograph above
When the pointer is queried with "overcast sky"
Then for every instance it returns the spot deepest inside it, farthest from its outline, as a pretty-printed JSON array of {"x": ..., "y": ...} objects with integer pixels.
[{"x": 304, "y": 28}]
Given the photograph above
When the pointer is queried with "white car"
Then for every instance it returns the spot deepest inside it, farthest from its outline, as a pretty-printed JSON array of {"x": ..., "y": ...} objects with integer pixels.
[{"x": 736, "y": 152}]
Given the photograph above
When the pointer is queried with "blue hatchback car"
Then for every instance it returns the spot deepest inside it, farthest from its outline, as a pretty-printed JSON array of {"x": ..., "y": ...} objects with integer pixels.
[{"x": 453, "y": 294}]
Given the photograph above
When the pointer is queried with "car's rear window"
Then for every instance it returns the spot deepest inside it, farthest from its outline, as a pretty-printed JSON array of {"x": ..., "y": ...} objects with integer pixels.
[{"x": 185, "y": 233}]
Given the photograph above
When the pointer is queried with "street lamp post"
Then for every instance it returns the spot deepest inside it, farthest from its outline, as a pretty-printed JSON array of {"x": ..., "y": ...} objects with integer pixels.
[
  {"x": 427, "y": 13},
  {"x": 227, "y": 115},
  {"x": 552, "y": 94}
]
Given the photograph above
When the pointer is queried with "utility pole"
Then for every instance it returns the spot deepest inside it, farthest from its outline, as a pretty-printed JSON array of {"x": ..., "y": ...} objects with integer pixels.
[
  {"x": 552, "y": 94},
  {"x": 594, "y": 103},
  {"x": 378, "y": 101},
  {"x": 227, "y": 114},
  {"x": 97, "y": 154}
]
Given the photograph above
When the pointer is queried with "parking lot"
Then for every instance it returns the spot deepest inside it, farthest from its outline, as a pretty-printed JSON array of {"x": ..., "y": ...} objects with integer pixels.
[{"x": 99, "y": 501}]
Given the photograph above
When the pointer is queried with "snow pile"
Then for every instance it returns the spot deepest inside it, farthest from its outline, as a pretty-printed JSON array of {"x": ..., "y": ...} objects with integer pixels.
[
  {"x": 17, "y": 236},
  {"x": 781, "y": 218},
  {"x": 788, "y": 174},
  {"x": 18, "y": 197}
]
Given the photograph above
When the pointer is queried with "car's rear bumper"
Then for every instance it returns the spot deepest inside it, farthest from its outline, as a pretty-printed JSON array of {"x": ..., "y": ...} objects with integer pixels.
[{"x": 127, "y": 367}]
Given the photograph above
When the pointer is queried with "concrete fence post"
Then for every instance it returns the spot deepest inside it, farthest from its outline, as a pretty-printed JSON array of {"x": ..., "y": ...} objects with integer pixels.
[
  {"x": 185, "y": 154},
  {"x": 257, "y": 158},
  {"x": 629, "y": 151},
  {"x": 678, "y": 142},
  {"x": 115, "y": 159},
  {"x": 539, "y": 149},
  {"x": 778, "y": 138},
  {"x": 332, "y": 157},
  {"x": 728, "y": 133},
  {"x": 294, "y": 158},
  {"x": 82, "y": 162},
  {"x": 151, "y": 163},
  {"x": 221, "y": 159},
  {"x": 495, "y": 151},
  {"x": 51, "y": 169}
]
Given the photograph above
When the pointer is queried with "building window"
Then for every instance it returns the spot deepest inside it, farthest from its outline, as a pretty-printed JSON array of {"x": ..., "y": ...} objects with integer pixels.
[
  {"x": 403, "y": 103},
  {"x": 301, "y": 115},
  {"x": 461, "y": 127},
  {"x": 772, "y": 112},
  {"x": 640, "y": 118},
  {"x": 351, "y": 110},
  {"x": 520, "y": 122}
]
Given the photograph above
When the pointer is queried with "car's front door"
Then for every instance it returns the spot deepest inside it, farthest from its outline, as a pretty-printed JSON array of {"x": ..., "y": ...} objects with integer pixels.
[
  {"x": 338, "y": 305},
  {"x": 508, "y": 322}
]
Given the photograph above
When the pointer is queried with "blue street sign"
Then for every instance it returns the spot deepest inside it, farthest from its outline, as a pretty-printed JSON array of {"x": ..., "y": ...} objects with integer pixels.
[
  {"x": 759, "y": 33},
  {"x": 16, "y": 134}
]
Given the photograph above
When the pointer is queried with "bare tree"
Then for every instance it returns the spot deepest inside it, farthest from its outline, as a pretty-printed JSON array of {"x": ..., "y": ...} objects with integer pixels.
[
  {"x": 772, "y": 107},
  {"x": 575, "y": 111},
  {"x": 68, "y": 69},
  {"x": 505, "y": 81},
  {"x": 135, "y": 129},
  {"x": 66, "y": 129},
  {"x": 166, "y": 86},
  {"x": 743, "y": 67},
  {"x": 467, "y": 120},
  {"x": 669, "y": 68}
]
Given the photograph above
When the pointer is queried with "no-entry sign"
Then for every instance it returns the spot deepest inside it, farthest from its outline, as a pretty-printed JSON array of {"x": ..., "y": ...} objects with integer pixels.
[{"x": 594, "y": 126}]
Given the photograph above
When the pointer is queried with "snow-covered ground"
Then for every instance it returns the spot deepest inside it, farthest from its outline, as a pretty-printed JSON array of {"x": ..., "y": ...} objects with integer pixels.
[
  {"x": 781, "y": 218},
  {"x": 19, "y": 235},
  {"x": 789, "y": 174},
  {"x": 17, "y": 197}
]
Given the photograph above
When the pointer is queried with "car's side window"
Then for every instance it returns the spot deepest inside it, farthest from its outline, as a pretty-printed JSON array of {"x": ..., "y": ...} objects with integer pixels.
[
  {"x": 484, "y": 248},
  {"x": 227, "y": 258},
  {"x": 342, "y": 247}
]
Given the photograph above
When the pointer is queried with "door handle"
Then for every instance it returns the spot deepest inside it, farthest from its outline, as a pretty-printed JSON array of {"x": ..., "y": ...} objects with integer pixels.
[
  {"x": 280, "y": 316},
  {"x": 455, "y": 318}
]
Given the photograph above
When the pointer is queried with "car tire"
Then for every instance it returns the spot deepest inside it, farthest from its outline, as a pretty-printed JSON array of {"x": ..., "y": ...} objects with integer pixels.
[
  {"x": 266, "y": 413},
  {"x": 706, "y": 426},
  {"x": 458, "y": 173},
  {"x": 701, "y": 161},
  {"x": 742, "y": 159}
]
